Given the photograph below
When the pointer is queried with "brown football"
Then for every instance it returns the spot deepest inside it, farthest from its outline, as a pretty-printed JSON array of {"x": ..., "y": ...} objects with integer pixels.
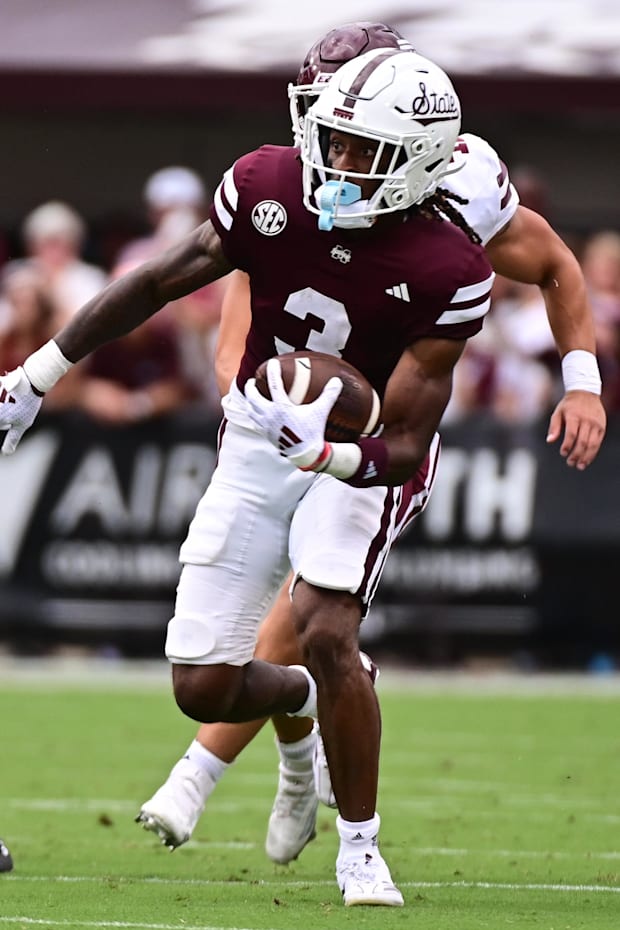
[{"x": 357, "y": 411}]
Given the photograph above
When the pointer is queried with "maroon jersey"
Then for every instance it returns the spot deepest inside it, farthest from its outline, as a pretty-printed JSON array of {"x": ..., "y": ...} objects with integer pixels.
[{"x": 364, "y": 295}]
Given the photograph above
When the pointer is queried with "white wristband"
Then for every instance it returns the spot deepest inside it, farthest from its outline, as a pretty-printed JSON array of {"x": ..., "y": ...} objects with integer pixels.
[
  {"x": 580, "y": 372},
  {"x": 46, "y": 366}
]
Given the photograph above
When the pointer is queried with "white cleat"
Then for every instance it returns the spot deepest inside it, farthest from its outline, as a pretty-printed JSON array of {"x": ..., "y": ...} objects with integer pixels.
[
  {"x": 322, "y": 778},
  {"x": 175, "y": 808},
  {"x": 320, "y": 768},
  {"x": 292, "y": 824},
  {"x": 6, "y": 861},
  {"x": 366, "y": 879}
]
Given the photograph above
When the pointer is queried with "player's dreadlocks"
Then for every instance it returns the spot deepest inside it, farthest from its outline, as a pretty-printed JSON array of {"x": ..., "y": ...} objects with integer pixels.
[{"x": 439, "y": 206}]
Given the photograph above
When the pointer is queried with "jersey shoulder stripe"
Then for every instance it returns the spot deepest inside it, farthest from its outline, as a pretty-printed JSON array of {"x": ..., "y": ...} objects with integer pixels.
[
  {"x": 251, "y": 173},
  {"x": 468, "y": 303},
  {"x": 226, "y": 199}
]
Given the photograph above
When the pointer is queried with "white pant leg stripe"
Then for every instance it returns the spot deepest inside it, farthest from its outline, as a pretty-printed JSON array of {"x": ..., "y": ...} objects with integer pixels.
[
  {"x": 399, "y": 511},
  {"x": 381, "y": 544}
]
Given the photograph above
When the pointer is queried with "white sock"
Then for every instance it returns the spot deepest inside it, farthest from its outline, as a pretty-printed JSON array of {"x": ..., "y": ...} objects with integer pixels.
[
  {"x": 206, "y": 761},
  {"x": 357, "y": 835},
  {"x": 308, "y": 708},
  {"x": 296, "y": 758}
]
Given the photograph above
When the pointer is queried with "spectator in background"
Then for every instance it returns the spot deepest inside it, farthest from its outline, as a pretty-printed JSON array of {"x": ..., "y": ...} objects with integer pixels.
[
  {"x": 600, "y": 262},
  {"x": 175, "y": 199},
  {"x": 54, "y": 235},
  {"x": 473, "y": 381},
  {"x": 28, "y": 318},
  {"x": 137, "y": 377},
  {"x": 511, "y": 369},
  {"x": 528, "y": 380}
]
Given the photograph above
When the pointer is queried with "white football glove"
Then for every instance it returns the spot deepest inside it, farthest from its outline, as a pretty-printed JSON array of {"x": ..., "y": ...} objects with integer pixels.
[
  {"x": 296, "y": 430},
  {"x": 19, "y": 406}
]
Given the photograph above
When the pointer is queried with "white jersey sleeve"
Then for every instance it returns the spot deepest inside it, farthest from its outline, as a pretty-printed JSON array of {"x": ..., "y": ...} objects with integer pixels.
[{"x": 479, "y": 175}]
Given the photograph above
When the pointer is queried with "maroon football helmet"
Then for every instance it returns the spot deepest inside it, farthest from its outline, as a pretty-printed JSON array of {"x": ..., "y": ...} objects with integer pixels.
[{"x": 334, "y": 49}]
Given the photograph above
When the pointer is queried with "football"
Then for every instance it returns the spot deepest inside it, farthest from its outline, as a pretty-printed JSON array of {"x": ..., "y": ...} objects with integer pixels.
[{"x": 357, "y": 411}]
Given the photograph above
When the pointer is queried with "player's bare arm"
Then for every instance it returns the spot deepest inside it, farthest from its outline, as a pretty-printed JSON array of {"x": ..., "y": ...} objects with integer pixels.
[
  {"x": 233, "y": 329},
  {"x": 529, "y": 250},
  {"x": 415, "y": 398},
  {"x": 126, "y": 303}
]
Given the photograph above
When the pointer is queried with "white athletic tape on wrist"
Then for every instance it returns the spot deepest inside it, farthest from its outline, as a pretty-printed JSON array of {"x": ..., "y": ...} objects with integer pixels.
[
  {"x": 339, "y": 459},
  {"x": 46, "y": 366},
  {"x": 344, "y": 460},
  {"x": 580, "y": 372}
]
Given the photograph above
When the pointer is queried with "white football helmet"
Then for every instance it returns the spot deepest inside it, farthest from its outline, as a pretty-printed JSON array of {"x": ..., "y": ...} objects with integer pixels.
[
  {"x": 404, "y": 102},
  {"x": 328, "y": 54}
]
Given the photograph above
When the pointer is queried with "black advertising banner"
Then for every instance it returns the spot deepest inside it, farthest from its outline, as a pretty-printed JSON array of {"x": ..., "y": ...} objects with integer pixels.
[
  {"x": 511, "y": 539},
  {"x": 93, "y": 522}
]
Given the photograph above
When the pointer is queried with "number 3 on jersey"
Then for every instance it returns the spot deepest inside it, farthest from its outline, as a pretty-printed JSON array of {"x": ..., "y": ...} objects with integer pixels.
[{"x": 328, "y": 324}]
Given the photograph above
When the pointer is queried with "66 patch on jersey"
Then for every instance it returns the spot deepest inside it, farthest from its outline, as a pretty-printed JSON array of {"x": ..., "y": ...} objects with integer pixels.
[{"x": 269, "y": 217}]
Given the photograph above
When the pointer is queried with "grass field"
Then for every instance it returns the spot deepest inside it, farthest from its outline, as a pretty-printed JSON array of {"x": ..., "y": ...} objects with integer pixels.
[{"x": 500, "y": 809}]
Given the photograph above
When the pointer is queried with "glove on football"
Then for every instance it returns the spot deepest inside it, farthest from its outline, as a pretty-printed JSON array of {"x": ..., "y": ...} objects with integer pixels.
[
  {"x": 19, "y": 406},
  {"x": 296, "y": 430}
]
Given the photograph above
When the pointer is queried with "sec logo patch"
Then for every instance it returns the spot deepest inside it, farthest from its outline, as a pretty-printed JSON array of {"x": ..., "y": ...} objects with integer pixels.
[{"x": 269, "y": 217}]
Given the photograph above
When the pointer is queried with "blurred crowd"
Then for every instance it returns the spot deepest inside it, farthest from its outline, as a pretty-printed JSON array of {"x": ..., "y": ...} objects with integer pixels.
[
  {"x": 510, "y": 371},
  {"x": 165, "y": 364}
]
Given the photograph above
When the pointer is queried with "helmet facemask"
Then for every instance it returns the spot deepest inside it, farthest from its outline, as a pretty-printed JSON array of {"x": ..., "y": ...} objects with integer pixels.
[{"x": 393, "y": 171}]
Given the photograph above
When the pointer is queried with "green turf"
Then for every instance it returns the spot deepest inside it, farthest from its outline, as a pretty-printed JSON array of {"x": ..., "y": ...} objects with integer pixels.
[{"x": 498, "y": 812}]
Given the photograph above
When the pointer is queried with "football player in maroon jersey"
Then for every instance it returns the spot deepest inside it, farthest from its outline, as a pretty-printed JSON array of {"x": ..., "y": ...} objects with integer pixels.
[
  {"x": 376, "y": 146},
  {"x": 522, "y": 246}
]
